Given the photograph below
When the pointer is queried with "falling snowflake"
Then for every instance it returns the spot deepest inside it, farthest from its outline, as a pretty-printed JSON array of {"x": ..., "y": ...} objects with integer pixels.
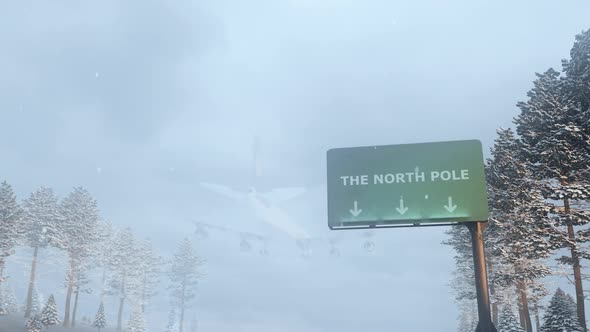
[
  {"x": 98, "y": 170},
  {"x": 96, "y": 74}
]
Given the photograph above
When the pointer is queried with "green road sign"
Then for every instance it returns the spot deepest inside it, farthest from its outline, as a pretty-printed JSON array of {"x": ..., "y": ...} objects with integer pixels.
[{"x": 408, "y": 184}]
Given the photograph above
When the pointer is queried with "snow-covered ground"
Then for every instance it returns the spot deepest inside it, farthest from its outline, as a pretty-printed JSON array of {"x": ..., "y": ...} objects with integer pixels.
[{"x": 17, "y": 324}]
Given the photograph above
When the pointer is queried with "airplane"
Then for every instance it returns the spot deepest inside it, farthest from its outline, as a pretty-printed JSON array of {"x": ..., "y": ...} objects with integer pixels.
[{"x": 265, "y": 207}]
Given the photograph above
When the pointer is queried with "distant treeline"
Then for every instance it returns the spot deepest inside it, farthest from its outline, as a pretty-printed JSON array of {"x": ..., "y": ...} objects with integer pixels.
[{"x": 130, "y": 270}]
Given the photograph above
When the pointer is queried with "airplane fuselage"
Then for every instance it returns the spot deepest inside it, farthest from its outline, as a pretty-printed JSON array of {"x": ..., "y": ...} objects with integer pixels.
[{"x": 275, "y": 216}]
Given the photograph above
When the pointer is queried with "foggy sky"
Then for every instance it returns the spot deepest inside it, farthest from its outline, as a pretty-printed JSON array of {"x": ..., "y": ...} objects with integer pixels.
[{"x": 139, "y": 101}]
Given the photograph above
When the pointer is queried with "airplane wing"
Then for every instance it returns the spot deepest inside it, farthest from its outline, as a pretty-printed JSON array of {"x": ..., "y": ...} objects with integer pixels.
[
  {"x": 223, "y": 190},
  {"x": 283, "y": 194},
  {"x": 201, "y": 226}
]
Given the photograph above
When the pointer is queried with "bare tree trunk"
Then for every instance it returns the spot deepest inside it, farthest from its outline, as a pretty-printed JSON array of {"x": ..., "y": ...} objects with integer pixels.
[
  {"x": 77, "y": 292},
  {"x": 181, "y": 324},
  {"x": 493, "y": 295},
  {"x": 120, "y": 314},
  {"x": 143, "y": 296},
  {"x": 537, "y": 320},
  {"x": 577, "y": 270},
  {"x": 194, "y": 325},
  {"x": 69, "y": 293},
  {"x": 1, "y": 270},
  {"x": 121, "y": 304},
  {"x": 521, "y": 314},
  {"x": 102, "y": 285},
  {"x": 525, "y": 305},
  {"x": 29, "y": 305}
]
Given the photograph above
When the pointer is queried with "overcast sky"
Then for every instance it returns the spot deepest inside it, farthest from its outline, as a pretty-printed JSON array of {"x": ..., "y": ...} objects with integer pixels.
[{"x": 140, "y": 101}]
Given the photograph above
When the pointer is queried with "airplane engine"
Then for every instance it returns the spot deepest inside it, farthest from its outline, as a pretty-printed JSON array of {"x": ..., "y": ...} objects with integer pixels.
[
  {"x": 305, "y": 247},
  {"x": 334, "y": 252},
  {"x": 245, "y": 246},
  {"x": 201, "y": 232},
  {"x": 369, "y": 246}
]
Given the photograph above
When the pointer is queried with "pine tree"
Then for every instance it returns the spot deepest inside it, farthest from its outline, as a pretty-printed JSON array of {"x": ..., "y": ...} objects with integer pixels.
[
  {"x": 10, "y": 224},
  {"x": 80, "y": 228},
  {"x": 136, "y": 322},
  {"x": 538, "y": 293},
  {"x": 463, "y": 281},
  {"x": 49, "y": 313},
  {"x": 80, "y": 283},
  {"x": 124, "y": 269},
  {"x": 508, "y": 322},
  {"x": 148, "y": 270},
  {"x": 103, "y": 255},
  {"x": 468, "y": 316},
  {"x": 561, "y": 314},
  {"x": 37, "y": 303},
  {"x": 577, "y": 71},
  {"x": 100, "y": 321},
  {"x": 172, "y": 325},
  {"x": 184, "y": 274},
  {"x": 9, "y": 302},
  {"x": 518, "y": 212},
  {"x": 41, "y": 218},
  {"x": 3, "y": 311},
  {"x": 34, "y": 324},
  {"x": 558, "y": 151}
]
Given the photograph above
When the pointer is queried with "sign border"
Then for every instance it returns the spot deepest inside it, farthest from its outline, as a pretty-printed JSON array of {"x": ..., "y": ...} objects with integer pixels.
[{"x": 401, "y": 223}]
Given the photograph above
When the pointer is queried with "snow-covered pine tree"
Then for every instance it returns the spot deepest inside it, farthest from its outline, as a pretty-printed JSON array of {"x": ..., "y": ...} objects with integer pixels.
[
  {"x": 538, "y": 292},
  {"x": 34, "y": 324},
  {"x": 577, "y": 86},
  {"x": 463, "y": 282},
  {"x": 136, "y": 321},
  {"x": 80, "y": 282},
  {"x": 149, "y": 270},
  {"x": 468, "y": 318},
  {"x": 557, "y": 150},
  {"x": 518, "y": 214},
  {"x": 104, "y": 250},
  {"x": 100, "y": 320},
  {"x": 172, "y": 325},
  {"x": 123, "y": 268},
  {"x": 10, "y": 224},
  {"x": 508, "y": 322},
  {"x": 577, "y": 75},
  {"x": 9, "y": 302},
  {"x": 80, "y": 217},
  {"x": 41, "y": 219},
  {"x": 3, "y": 311},
  {"x": 184, "y": 275},
  {"x": 49, "y": 313},
  {"x": 561, "y": 314},
  {"x": 37, "y": 304}
]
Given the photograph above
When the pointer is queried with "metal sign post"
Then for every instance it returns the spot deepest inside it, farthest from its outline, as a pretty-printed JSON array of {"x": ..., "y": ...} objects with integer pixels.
[{"x": 481, "y": 277}]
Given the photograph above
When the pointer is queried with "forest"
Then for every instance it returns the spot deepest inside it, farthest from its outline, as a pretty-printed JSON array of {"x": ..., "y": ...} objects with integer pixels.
[
  {"x": 130, "y": 269},
  {"x": 538, "y": 183}
]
